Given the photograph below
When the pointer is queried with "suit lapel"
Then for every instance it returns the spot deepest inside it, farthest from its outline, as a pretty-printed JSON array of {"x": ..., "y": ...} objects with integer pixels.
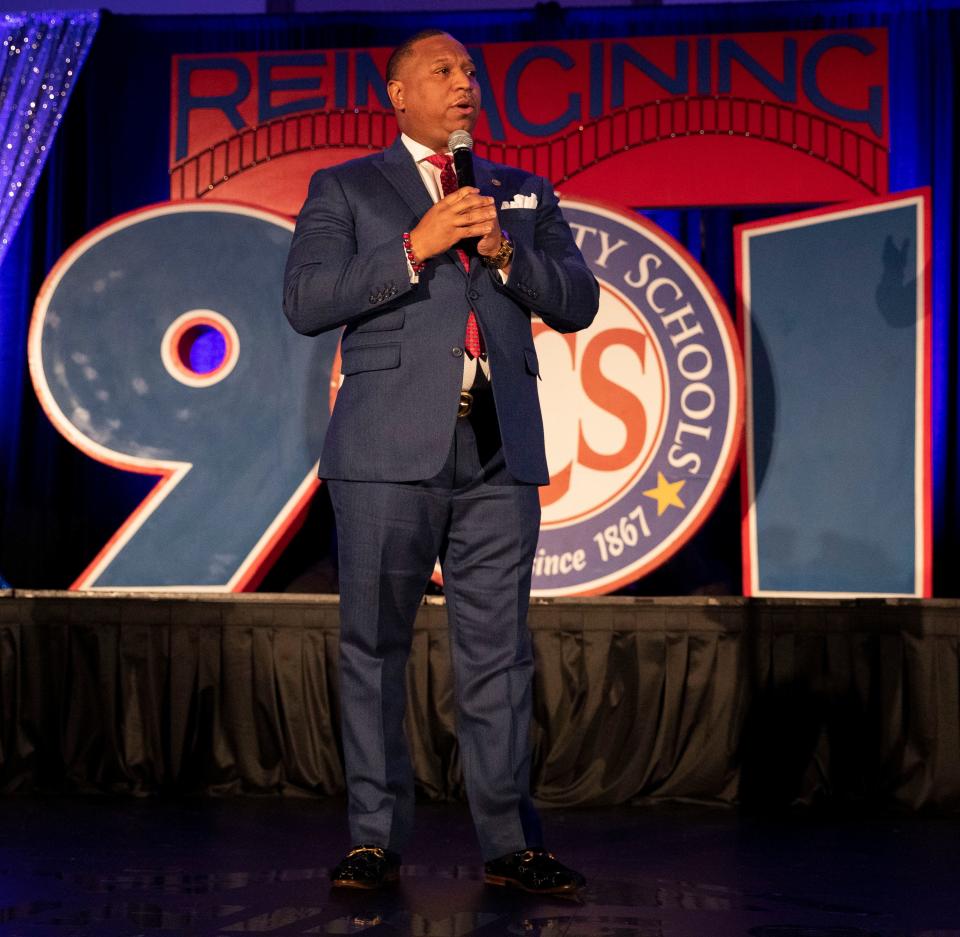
[
  {"x": 401, "y": 172},
  {"x": 483, "y": 173}
]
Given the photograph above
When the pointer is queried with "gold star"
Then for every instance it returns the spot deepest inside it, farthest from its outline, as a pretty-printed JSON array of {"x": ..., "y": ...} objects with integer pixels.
[{"x": 666, "y": 493}]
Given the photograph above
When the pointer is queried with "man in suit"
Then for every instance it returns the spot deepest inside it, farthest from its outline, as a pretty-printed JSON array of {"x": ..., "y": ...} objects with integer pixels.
[{"x": 435, "y": 448}]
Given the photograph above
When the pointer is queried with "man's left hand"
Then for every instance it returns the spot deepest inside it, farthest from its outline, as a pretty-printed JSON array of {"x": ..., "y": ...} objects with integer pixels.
[{"x": 489, "y": 245}]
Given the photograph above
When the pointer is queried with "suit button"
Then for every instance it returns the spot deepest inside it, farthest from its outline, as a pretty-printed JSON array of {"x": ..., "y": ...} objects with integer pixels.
[
  {"x": 474, "y": 294},
  {"x": 456, "y": 352}
]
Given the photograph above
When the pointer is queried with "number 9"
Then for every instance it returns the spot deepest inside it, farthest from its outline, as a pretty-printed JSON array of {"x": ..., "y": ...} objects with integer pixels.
[{"x": 113, "y": 349}]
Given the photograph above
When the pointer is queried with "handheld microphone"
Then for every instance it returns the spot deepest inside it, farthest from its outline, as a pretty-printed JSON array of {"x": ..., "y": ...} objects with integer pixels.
[{"x": 461, "y": 145}]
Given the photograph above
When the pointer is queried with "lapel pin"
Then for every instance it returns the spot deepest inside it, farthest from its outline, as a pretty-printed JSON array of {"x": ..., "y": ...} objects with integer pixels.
[{"x": 494, "y": 182}]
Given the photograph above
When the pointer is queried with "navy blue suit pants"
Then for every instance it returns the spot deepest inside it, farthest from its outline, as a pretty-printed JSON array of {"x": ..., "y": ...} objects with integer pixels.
[{"x": 483, "y": 525}]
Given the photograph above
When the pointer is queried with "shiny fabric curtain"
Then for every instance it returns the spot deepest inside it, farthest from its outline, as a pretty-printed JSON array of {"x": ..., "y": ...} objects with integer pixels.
[{"x": 41, "y": 58}]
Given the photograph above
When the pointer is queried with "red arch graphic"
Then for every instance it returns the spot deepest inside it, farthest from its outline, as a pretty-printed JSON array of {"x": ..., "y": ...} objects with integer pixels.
[{"x": 854, "y": 154}]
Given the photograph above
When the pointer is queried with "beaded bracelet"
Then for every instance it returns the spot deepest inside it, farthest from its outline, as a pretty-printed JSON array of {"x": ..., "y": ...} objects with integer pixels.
[{"x": 417, "y": 265}]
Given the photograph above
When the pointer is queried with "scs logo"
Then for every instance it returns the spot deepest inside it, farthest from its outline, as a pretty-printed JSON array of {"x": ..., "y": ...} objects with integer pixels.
[{"x": 642, "y": 411}]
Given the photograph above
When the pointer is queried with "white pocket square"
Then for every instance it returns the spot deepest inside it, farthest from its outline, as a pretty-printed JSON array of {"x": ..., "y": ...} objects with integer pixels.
[{"x": 520, "y": 201}]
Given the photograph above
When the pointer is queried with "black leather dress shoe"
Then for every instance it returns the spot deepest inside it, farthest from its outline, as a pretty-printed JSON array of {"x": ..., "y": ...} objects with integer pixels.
[
  {"x": 366, "y": 867},
  {"x": 533, "y": 870}
]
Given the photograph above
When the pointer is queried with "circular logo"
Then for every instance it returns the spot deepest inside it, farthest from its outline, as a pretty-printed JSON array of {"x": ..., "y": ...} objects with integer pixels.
[{"x": 642, "y": 411}]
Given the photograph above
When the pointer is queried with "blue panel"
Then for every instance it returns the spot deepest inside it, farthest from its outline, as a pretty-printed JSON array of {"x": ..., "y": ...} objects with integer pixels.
[{"x": 834, "y": 343}]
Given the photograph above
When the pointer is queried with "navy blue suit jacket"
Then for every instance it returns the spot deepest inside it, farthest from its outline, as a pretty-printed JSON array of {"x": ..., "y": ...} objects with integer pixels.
[{"x": 402, "y": 348}]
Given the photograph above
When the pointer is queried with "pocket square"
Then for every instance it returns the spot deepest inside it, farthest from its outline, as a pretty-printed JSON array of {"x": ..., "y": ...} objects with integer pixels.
[{"x": 520, "y": 201}]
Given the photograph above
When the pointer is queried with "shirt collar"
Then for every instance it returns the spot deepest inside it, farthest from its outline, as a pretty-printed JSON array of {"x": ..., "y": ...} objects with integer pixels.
[{"x": 418, "y": 151}]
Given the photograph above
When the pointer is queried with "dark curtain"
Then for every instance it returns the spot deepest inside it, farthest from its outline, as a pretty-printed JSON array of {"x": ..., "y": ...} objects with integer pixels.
[
  {"x": 57, "y": 507},
  {"x": 765, "y": 703}
]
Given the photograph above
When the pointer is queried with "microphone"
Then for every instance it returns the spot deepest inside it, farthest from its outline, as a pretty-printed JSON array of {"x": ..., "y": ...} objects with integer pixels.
[{"x": 461, "y": 145}]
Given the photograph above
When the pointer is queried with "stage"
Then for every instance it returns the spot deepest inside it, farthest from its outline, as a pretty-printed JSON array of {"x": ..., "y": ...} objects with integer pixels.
[
  {"x": 108, "y": 867},
  {"x": 715, "y": 766}
]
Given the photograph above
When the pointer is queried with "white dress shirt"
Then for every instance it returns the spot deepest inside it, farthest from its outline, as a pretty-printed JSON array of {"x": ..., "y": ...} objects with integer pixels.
[{"x": 431, "y": 180}]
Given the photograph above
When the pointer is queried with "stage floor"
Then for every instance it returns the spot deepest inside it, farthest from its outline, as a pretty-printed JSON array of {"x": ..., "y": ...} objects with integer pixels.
[{"x": 108, "y": 867}]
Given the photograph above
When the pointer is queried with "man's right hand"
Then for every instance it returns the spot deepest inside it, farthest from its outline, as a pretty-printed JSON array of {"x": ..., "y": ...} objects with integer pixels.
[{"x": 461, "y": 214}]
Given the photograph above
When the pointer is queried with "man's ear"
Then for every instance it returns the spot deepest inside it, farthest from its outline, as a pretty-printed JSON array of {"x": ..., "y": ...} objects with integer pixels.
[{"x": 395, "y": 93}]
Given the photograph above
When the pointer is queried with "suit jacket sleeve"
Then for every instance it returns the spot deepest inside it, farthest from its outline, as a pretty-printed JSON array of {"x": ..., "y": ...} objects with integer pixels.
[
  {"x": 551, "y": 277},
  {"x": 327, "y": 282}
]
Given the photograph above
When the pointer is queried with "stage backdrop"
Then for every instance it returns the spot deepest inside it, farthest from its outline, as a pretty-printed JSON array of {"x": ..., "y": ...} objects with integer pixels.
[
  {"x": 804, "y": 111},
  {"x": 728, "y": 119}
]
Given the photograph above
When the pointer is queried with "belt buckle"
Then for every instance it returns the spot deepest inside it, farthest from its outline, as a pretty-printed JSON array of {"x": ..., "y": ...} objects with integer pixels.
[{"x": 466, "y": 404}]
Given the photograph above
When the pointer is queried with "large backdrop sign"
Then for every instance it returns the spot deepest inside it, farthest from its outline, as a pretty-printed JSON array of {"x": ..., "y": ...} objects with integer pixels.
[
  {"x": 762, "y": 118},
  {"x": 643, "y": 411}
]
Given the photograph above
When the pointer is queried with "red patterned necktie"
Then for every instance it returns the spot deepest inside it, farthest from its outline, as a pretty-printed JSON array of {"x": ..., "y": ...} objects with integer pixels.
[{"x": 473, "y": 340}]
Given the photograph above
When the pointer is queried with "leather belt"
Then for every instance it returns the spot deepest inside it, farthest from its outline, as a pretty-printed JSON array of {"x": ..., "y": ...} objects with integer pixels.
[{"x": 477, "y": 397}]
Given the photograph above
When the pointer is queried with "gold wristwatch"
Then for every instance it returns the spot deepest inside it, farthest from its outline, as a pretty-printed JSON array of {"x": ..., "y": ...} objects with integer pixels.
[{"x": 502, "y": 257}]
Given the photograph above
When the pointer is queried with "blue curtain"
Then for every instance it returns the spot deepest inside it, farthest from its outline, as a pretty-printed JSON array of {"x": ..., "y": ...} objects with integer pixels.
[
  {"x": 40, "y": 59},
  {"x": 42, "y": 56},
  {"x": 58, "y": 507}
]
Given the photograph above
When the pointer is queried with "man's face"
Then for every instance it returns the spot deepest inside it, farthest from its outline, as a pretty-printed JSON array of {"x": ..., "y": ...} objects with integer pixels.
[{"x": 436, "y": 91}]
